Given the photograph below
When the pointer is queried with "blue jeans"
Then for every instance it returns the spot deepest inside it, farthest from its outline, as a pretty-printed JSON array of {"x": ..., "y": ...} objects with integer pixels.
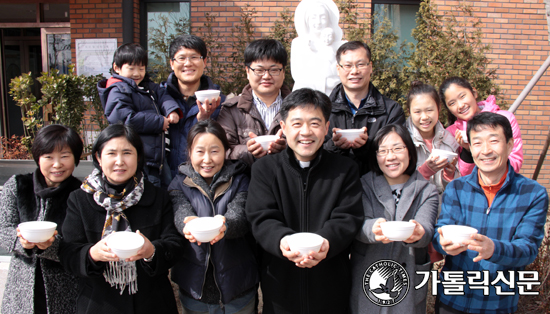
[{"x": 243, "y": 305}]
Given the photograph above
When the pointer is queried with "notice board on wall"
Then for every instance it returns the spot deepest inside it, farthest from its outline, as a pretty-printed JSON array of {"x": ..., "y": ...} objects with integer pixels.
[{"x": 95, "y": 56}]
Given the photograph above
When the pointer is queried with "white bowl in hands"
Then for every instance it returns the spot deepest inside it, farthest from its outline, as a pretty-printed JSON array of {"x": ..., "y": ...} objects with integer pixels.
[
  {"x": 265, "y": 140},
  {"x": 37, "y": 231},
  {"x": 204, "y": 229},
  {"x": 125, "y": 243},
  {"x": 210, "y": 94},
  {"x": 458, "y": 233},
  {"x": 444, "y": 154},
  {"x": 397, "y": 230},
  {"x": 305, "y": 242},
  {"x": 350, "y": 134}
]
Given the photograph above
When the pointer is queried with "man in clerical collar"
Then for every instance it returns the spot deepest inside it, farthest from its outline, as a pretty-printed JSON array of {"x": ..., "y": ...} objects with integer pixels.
[{"x": 305, "y": 189}]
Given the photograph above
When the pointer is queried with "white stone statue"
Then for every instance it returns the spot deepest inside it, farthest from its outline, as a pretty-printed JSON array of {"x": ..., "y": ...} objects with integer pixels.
[{"x": 313, "y": 52}]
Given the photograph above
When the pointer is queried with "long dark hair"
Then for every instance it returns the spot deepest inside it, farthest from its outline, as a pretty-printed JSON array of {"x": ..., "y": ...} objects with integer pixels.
[{"x": 443, "y": 88}]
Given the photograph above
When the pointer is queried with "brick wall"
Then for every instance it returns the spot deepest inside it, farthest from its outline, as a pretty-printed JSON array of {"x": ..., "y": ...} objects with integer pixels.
[
  {"x": 515, "y": 29},
  {"x": 99, "y": 19},
  {"x": 518, "y": 34}
]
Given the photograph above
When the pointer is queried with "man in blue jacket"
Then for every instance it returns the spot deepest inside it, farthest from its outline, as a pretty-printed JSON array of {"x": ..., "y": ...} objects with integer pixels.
[
  {"x": 507, "y": 209},
  {"x": 188, "y": 60}
]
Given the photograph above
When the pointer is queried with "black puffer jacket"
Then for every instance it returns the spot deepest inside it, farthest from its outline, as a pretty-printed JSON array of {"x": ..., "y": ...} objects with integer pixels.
[{"x": 377, "y": 112}]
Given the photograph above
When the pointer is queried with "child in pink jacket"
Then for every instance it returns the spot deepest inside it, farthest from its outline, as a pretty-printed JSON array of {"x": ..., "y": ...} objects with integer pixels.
[{"x": 460, "y": 99}]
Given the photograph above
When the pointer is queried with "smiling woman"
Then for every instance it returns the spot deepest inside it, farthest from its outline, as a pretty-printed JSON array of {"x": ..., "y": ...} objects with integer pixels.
[
  {"x": 36, "y": 277},
  {"x": 116, "y": 197}
]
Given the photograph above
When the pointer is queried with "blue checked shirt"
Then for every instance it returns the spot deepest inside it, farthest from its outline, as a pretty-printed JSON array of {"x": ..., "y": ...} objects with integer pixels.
[
  {"x": 515, "y": 222},
  {"x": 268, "y": 113}
]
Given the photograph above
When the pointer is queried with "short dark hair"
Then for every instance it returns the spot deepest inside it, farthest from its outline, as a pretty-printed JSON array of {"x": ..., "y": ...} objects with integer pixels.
[
  {"x": 445, "y": 85},
  {"x": 132, "y": 54},
  {"x": 189, "y": 42},
  {"x": 419, "y": 88},
  {"x": 55, "y": 137},
  {"x": 490, "y": 119},
  {"x": 114, "y": 131},
  {"x": 206, "y": 126},
  {"x": 305, "y": 97},
  {"x": 352, "y": 45},
  {"x": 265, "y": 49},
  {"x": 407, "y": 140}
]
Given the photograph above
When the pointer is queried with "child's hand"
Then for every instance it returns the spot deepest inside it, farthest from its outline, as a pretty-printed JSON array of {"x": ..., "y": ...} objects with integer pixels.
[
  {"x": 460, "y": 140},
  {"x": 166, "y": 124},
  {"x": 173, "y": 117},
  {"x": 435, "y": 163}
]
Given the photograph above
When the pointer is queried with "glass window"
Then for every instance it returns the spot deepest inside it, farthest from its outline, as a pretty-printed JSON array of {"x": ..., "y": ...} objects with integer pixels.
[
  {"x": 56, "y": 12},
  {"x": 59, "y": 52},
  {"x": 170, "y": 18},
  {"x": 18, "y": 13},
  {"x": 402, "y": 16}
]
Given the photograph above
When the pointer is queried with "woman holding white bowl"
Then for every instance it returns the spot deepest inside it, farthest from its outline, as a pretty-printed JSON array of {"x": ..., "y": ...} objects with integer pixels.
[
  {"x": 219, "y": 276},
  {"x": 393, "y": 191},
  {"x": 116, "y": 197},
  {"x": 37, "y": 283}
]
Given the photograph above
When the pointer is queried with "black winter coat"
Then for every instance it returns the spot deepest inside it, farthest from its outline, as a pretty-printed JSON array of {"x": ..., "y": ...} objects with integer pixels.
[
  {"x": 154, "y": 218},
  {"x": 143, "y": 109},
  {"x": 328, "y": 203},
  {"x": 377, "y": 112}
]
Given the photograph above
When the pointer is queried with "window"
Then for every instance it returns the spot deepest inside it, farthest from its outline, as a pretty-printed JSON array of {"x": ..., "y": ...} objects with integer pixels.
[
  {"x": 169, "y": 17},
  {"x": 402, "y": 15}
]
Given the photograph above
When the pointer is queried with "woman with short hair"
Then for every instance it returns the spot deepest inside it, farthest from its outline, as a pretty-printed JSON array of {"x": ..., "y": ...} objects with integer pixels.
[{"x": 37, "y": 283}]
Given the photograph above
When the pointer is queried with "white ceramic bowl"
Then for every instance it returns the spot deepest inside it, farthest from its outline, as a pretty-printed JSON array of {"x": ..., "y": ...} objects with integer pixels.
[
  {"x": 203, "y": 95},
  {"x": 350, "y": 134},
  {"x": 464, "y": 136},
  {"x": 397, "y": 230},
  {"x": 457, "y": 233},
  {"x": 205, "y": 229},
  {"x": 37, "y": 231},
  {"x": 265, "y": 140},
  {"x": 125, "y": 243},
  {"x": 444, "y": 154},
  {"x": 305, "y": 242}
]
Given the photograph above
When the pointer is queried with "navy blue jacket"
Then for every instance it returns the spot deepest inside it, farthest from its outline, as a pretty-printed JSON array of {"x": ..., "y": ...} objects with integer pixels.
[
  {"x": 124, "y": 101},
  {"x": 178, "y": 133},
  {"x": 233, "y": 258}
]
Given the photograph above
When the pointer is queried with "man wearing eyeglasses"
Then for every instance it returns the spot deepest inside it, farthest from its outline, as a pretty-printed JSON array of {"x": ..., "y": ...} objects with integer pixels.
[
  {"x": 357, "y": 104},
  {"x": 188, "y": 60},
  {"x": 256, "y": 111}
]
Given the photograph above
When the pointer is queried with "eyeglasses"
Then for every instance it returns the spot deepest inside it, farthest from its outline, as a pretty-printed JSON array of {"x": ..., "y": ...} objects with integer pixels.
[
  {"x": 182, "y": 59},
  {"x": 358, "y": 66},
  {"x": 261, "y": 72},
  {"x": 395, "y": 150}
]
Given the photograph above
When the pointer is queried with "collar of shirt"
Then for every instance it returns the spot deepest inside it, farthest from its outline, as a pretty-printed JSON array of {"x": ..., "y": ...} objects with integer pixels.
[
  {"x": 267, "y": 113},
  {"x": 361, "y": 104}
]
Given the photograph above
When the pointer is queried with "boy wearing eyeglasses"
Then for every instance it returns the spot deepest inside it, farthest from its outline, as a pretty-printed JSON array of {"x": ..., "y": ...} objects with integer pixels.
[
  {"x": 357, "y": 104},
  {"x": 130, "y": 97},
  {"x": 188, "y": 60},
  {"x": 256, "y": 111}
]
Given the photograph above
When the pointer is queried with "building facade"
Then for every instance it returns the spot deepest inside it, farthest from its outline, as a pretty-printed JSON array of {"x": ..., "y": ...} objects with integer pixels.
[{"x": 40, "y": 34}]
